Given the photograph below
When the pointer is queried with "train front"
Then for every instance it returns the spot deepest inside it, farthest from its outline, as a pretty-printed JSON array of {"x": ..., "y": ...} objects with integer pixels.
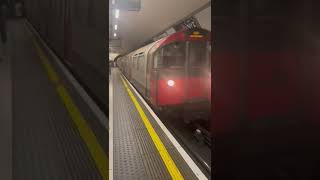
[{"x": 183, "y": 74}]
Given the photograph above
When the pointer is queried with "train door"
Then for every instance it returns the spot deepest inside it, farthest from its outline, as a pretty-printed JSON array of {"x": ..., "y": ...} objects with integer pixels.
[
  {"x": 197, "y": 83},
  {"x": 129, "y": 60},
  {"x": 156, "y": 59},
  {"x": 148, "y": 73},
  {"x": 167, "y": 75},
  {"x": 134, "y": 68},
  {"x": 127, "y": 67}
]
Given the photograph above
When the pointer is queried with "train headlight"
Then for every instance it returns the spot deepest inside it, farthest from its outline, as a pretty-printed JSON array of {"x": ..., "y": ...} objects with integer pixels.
[{"x": 170, "y": 83}]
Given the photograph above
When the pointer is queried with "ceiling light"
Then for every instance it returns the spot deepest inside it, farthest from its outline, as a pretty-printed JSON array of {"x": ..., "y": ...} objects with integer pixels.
[
  {"x": 117, "y": 13},
  {"x": 116, "y": 27},
  {"x": 112, "y": 1},
  {"x": 115, "y": 34}
]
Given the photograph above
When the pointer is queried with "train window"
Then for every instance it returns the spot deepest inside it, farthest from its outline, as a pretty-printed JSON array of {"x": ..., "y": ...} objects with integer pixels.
[
  {"x": 140, "y": 61},
  {"x": 135, "y": 61},
  {"x": 198, "y": 53},
  {"x": 174, "y": 55},
  {"x": 157, "y": 60}
]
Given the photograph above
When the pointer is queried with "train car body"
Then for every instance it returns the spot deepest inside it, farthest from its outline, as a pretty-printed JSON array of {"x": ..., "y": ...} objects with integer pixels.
[{"x": 174, "y": 73}]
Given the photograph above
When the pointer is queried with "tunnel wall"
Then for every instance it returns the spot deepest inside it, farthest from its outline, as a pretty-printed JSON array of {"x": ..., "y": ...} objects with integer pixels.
[{"x": 76, "y": 31}]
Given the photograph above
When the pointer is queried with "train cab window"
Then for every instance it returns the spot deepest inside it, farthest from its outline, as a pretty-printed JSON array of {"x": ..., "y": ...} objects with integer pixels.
[
  {"x": 174, "y": 55},
  {"x": 198, "y": 53},
  {"x": 170, "y": 56}
]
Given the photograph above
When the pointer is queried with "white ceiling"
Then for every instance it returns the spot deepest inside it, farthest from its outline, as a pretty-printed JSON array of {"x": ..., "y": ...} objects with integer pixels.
[
  {"x": 112, "y": 56},
  {"x": 134, "y": 28}
]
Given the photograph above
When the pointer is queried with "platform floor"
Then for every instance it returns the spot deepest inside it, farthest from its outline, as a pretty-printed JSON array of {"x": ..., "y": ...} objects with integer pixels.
[
  {"x": 136, "y": 151},
  {"x": 51, "y": 129}
]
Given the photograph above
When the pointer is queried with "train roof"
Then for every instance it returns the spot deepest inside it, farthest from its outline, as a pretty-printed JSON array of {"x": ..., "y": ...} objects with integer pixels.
[
  {"x": 144, "y": 49},
  {"x": 185, "y": 34},
  {"x": 178, "y": 36}
]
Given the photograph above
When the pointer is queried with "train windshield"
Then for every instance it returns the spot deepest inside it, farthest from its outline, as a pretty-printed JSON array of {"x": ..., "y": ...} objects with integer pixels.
[
  {"x": 170, "y": 56},
  {"x": 174, "y": 55},
  {"x": 199, "y": 53}
]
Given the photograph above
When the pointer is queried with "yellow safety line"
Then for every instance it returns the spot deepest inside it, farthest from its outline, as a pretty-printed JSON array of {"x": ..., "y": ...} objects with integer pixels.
[
  {"x": 50, "y": 71},
  {"x": 86, "y": 133},
  {"x": 166, "y": 158}
]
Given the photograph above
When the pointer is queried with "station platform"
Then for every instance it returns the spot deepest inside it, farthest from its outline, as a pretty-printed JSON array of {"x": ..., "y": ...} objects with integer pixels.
[
  {"x": 141, "y": 147},
  {"x": 54, "y": 132}
]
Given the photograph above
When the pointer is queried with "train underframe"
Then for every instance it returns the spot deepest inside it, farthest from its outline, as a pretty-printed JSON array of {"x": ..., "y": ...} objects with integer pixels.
[{"x": 195, "y": 114}]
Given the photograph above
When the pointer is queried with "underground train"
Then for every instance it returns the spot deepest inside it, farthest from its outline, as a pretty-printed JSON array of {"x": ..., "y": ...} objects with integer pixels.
[{"x": 174, "y": 73}]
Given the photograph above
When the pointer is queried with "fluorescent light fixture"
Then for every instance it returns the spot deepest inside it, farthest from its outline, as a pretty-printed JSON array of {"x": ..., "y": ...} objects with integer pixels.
[
  {"x": 116, "y": 27},
  {"x": 115, "y": 34},
  {"x": 112, "y": 1},
  {"x": 117, "y": 13}
]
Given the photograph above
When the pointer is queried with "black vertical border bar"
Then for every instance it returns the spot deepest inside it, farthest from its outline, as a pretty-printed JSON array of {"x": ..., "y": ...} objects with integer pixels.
[
  {"x": 107, "y": 51},
  {"x": 211, "y": 105},
  {"x": 244, "y": 47},
  {"x": 305, "y": 21}
]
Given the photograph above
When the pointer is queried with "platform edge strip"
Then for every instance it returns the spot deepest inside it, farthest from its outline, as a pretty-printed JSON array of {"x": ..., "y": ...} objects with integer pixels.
[
  {"x": 111, "y": 170},
  {"x": 196, "y": 170},
  {"x": 168, "y": 161},
  {"x": 85, "y": 132},
  {"x": 90, "y": 102}
]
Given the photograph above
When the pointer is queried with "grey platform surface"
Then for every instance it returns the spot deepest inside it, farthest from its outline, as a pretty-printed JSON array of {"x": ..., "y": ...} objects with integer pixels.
[
  {"x": 135, "y": 155},
  {"x": 46, "y": 143}
]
